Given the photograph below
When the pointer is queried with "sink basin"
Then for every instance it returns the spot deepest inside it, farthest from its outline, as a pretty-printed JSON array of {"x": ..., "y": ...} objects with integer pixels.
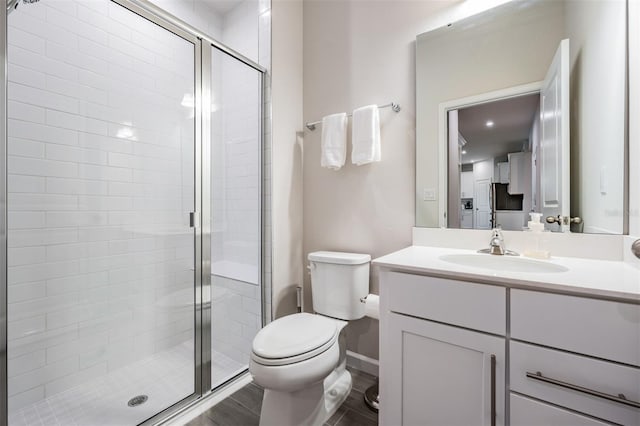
[{"x": 503, "y": 263}]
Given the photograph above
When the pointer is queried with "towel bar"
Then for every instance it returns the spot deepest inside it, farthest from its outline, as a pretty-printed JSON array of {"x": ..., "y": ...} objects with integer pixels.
[{"x": 394, "y": 106}]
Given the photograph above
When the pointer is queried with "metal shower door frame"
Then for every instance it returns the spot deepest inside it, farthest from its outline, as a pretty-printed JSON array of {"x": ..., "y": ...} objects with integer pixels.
[{"x": 4, "y": 394}]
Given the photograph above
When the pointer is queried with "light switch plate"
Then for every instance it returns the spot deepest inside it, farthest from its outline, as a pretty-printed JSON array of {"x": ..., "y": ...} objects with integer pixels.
[
  {"x": 603, "y": 180},
  {"x": 429, "y": 194}
]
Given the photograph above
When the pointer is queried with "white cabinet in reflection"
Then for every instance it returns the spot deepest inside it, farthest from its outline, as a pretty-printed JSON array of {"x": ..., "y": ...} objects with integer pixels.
[
  {"x": 466, "y": 219},
  {"x": 503, "y": 173},
  {"x": 466, "y": 185},
  {"x": 519, "y": 173}
]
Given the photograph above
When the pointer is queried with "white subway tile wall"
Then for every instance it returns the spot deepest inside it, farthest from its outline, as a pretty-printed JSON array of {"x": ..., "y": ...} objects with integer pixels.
[
  {"x": 198, "y": 13},
  {"x": 101, "y": 153},
  {"x": 236, "y": 318}
]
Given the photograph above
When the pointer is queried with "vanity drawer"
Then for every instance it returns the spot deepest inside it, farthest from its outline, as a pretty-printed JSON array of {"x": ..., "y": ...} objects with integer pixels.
[
  {"x": 530, "y": 412},
  {"x": 475, "y": 306},
  {"x": 570, "y": 369},
  {"x": 599, "y": 328}
]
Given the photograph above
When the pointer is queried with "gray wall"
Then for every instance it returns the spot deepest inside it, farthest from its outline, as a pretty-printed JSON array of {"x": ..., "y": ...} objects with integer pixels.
[
  {"x": 286, "y": 179},
  {"x": 358, "y": 53}
]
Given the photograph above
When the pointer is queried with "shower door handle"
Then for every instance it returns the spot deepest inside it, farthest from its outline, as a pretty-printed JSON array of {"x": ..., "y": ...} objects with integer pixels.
[{"x": 194, "y": 219}]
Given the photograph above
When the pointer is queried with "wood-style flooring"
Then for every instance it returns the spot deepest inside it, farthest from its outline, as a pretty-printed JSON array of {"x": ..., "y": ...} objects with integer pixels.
[{"x": 243, "y": 407}]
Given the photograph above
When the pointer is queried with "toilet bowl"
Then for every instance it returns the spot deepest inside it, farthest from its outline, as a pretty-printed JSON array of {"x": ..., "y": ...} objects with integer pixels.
[
  {"x": 297, "y": 359},
  {"x": 300, "y": 359}
]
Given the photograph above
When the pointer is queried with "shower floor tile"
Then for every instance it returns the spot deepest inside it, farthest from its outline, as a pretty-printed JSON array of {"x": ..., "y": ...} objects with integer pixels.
[
  {"x": 224, "y": 368},
  {"x": 165, "y": 378}
]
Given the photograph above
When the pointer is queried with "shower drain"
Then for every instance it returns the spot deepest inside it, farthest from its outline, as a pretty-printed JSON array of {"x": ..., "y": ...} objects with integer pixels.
[{"x": 137, "y": 400}]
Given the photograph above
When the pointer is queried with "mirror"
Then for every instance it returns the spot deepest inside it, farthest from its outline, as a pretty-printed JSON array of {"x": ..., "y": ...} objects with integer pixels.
[{"x": 523, "y": 108}]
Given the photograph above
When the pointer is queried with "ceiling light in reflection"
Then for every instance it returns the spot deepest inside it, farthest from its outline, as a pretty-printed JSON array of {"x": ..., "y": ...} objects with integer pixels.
[
  {"x": 489, "y": 123},
  {"x": 464, "y": 151}
]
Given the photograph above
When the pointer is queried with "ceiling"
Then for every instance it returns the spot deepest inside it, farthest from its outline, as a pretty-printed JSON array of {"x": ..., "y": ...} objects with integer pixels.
[{"x": 512, "y": 120}]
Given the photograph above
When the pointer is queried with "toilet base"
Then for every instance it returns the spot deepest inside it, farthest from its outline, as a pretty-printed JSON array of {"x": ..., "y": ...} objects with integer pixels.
[{"x": 311, "y": 406}]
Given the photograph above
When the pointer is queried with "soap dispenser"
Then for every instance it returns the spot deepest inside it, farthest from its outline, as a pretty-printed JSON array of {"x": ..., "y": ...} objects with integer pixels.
[{"x": 536, "y": 243}]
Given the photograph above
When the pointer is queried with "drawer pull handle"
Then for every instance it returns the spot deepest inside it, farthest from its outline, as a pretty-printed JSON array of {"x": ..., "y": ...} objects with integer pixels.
[
  {"x": 493, "y": 390},
  {"x": 620, "y": 399}
]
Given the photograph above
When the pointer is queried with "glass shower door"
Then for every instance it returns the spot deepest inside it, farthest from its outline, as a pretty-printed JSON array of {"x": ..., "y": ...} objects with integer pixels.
[
  {"x": 101, "y": 274},
  {"x": 236, "y": 212}
]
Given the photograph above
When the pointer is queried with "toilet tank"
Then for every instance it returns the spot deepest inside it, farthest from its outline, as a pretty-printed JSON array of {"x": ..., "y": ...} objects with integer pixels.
[{"x": 338, "y": 281}]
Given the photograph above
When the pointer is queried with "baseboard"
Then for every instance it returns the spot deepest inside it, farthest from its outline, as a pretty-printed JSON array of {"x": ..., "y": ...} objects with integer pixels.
[{"x": 362, "y": 363}]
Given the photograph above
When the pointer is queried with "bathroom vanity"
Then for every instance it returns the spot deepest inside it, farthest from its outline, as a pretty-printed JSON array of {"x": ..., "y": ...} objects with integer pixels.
[{"x": 473, "y": 339}]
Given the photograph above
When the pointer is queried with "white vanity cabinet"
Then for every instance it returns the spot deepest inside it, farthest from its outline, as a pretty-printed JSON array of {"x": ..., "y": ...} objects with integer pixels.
[
  {"x": 443, "y": 362},
  {"x": 578, "y": 357},
  {"x": 447, "y": 347}
]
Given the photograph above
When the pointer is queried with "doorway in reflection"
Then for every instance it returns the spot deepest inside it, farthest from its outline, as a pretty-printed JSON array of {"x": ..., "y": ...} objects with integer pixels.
[{"x": 495, "y": 145}]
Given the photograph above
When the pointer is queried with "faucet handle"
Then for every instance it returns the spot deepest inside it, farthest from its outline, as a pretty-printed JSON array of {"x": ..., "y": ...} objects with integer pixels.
[
  {"x": 496, "y": 244},
  {"x": 497, "y": 233}
]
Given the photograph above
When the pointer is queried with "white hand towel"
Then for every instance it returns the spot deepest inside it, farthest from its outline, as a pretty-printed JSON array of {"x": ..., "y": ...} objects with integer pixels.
[
  {"x": 334, "y": 141},
  {"x": 365, "y": 135}
]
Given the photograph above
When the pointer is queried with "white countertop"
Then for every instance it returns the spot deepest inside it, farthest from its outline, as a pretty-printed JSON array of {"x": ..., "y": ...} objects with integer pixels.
[{"x": 588, "y": 277}]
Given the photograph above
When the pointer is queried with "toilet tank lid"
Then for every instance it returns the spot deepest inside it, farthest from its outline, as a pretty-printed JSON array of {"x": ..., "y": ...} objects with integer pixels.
[{"x": 339, "y": 257}]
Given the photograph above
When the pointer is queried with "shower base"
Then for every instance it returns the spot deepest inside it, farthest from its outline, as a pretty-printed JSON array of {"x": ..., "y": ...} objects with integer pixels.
[{"x": 164, "y": 378}]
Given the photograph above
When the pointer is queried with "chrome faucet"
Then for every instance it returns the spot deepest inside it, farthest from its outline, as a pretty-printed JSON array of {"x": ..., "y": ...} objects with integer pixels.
[{"x": 496, "y": 244}]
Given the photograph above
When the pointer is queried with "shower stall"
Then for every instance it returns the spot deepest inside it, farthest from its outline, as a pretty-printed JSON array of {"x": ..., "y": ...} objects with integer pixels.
[{"x": 133, "y": 203}]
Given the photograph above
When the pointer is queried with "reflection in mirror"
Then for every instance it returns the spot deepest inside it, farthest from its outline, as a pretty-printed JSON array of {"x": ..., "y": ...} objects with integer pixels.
[
  {"x": 493, "y": 145},
  {"x": 522, "y": 108}
]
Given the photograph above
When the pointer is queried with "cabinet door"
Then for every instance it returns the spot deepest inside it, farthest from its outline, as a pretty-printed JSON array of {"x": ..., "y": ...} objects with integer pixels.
[
  {"x": 435, "y": 374},
  {"x": 530, "y": 412},
  {"x": 466, "y": 221},
  {"x": 503, "y": 172},
  {"x": 466, "y": 185},
  {"x": 519, "y": 173}
]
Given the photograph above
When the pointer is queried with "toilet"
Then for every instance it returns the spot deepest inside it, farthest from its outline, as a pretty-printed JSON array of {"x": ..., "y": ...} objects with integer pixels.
[{"x": 300, "y": 359}]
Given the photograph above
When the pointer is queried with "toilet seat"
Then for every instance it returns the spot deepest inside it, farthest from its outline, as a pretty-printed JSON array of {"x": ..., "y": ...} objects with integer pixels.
[{"x": 293, "y": 339}]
